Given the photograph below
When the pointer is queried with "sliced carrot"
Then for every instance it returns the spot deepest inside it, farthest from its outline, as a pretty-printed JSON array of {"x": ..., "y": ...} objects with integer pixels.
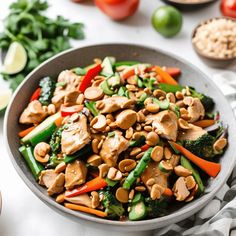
[
  {"x": 204, "y": 123},
  {"x": 166, "y": 78},
  {"x": 211, "y": 168},
  {"x": 127, "y": 73},
  {"x": 23, "y": 133},
  {"x": 173, "y": 71},
  {"x": 58, "y": 121},
  {"x": 168, "y": 192},
  {"x": 85, "y": 209}
]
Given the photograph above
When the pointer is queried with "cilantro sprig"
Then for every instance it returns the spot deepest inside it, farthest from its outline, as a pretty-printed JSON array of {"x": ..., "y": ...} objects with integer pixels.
[{"x": 41, "y": 36}]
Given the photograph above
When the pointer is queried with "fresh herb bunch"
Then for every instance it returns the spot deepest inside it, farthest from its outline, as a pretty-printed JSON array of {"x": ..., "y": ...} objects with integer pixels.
[{"x": 42, "y": 37}]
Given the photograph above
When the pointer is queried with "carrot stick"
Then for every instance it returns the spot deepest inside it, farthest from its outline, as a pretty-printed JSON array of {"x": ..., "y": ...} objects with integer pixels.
[
  {"x": 168, "y": 192},
  {"x": 166, "y": 78},
  {"x": 85, "y": 209},
  {"x": 204, "y": 123},
  {"x": 127, "y": 73},
  {"x": 211, "y": 168},
  {"x": 23, "y": 133},
  {"x": 58, "y": 121}
]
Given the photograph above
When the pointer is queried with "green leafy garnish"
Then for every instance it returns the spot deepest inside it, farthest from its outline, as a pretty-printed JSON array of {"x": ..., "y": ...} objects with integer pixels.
[{"x": 41, "y": 36}]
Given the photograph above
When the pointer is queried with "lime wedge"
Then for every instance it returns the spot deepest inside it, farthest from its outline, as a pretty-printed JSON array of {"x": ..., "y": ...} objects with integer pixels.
[
  {"x": 5, "y": 96},
  {"x": 15, "y": 59}
]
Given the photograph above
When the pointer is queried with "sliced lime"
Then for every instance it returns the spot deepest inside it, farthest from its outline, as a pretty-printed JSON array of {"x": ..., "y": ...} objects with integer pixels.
[
  {"x": 5, "y": 96},
  {"x": 15, "y": 59}
]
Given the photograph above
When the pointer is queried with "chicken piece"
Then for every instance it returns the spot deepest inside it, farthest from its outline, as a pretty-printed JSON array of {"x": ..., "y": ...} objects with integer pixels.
[
  {"x": 195, "y": 109},
  {"x": 53, "y": 181},
  {"x": 33, "y": 113},
  {"x": 75, "y": 137},
  {"x": 165, "y": 123},
  {"x": 153, "y": 172},
  {"x": 71, "y": 81},
  {"x": 180, "y": 189},
  {"x": 115, "y": 103},
  {"x": 82, "y": 199},
  {"x": 70, "y": 98},
  {"x": 191, "y": 134},
  {"x": 58, "y": 185},
  {"x": 112, "y": 147},
  {"x": 75, "y": 174}
]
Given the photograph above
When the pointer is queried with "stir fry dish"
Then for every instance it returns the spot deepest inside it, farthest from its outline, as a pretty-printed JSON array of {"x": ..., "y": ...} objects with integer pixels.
[{"x": 121, "y": 140}]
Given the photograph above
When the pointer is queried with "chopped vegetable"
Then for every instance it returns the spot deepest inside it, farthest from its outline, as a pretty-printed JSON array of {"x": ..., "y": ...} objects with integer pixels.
[
  {"x": 106, "y": 89},
  {"x": 164, "y": 104},
  {"x": 166, "y": 78},
  {"x": 186, "y": 164},
  {"x": 87, "y": 80},
  {"x": 92, "y": 185},
  {"x": 203, "y": 146},
  {"x": 107, "y": 65},
  {"x": 125, "y": 63},
  {"x": 210, "y": 168},
  {"x": 113, "y": 208},
  {"x": 36, "y": 94},
  {"x": 42, "y": 132},
  {"x": 156, "y": 208},
  {"x": 138, "y": 143},
  {"x": 85, "y": 209},
  {"x": 68, "y": 111},
  {"x": 137, "y": 211},
  {"x": 169, "y": 88},
  {"x": 47, "y": 86},
  {"x": 140, "y": 167},
  {"x": 173, "y": 71},
  {"x": 35, "y": 167},
  {"x": 92, "y": 107},
  {"x": 204, "y": 123},
  {"x": 23, "y": 133}
]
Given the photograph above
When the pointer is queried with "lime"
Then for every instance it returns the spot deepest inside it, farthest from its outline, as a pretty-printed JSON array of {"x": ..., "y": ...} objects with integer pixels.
[
  {"x": 167, "y": 20},
  {"x": 15, "y": 59},
  {"x": 5, "y": 96}
]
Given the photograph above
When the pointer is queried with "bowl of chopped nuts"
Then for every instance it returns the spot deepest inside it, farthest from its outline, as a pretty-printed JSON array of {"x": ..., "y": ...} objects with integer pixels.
[{"x": 214, "y": 40}]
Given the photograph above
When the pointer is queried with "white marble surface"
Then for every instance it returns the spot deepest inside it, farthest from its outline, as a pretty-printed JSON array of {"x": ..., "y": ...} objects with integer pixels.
[{"x": 23, "y": 214}]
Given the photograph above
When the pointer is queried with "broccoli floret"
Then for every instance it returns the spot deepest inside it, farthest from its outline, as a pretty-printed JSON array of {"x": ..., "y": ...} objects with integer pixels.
[
  {"x": 113, "y": 208},
  {"x": 206, "y": 101},
  {"x": 202, "y": 147},
  {"x": 156, "y": 208}
]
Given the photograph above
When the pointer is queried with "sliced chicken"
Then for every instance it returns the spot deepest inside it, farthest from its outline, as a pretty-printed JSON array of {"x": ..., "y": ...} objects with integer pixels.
[
  {"x": 180, "y": 189},
  {"x": 82, "y": 199},
  {"x": 112, "y": 147},
  {"x": 195, "y": 108},
  {"x": 115, "y": 103},
  {"x": 33, "y": 113},
  {"x": 152, "y": 171},
  {"x": 70, "y": 84},
  {"x": 191, "y": 134},
  {"x": 75, "y": 174},
  {"x": 166, "y": 124},
  {"x": 75, "y": 137},
  {"x": 53, "y": 181}
]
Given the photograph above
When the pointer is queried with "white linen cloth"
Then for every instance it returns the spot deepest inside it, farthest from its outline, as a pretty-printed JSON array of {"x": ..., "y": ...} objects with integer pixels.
[{"x": 218, "y": 218}]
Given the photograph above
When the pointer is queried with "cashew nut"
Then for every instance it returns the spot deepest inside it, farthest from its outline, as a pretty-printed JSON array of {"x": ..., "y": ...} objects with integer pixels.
[{"x": 41, "y": 151}]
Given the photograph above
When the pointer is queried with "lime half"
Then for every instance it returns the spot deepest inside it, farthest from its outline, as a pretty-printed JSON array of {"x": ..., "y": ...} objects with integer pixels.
[
  {"x": 15, "y": 60},
  {"x": 5, "y": 96}
]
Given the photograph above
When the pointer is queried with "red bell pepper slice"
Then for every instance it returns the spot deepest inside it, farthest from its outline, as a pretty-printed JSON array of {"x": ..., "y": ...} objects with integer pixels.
[
  {"x": 35, "y": 95},
  {"x": 91, "y": 73},
  {"x": 92, "y": 185},
  {"x": 68, "y": 111},
  {"x": 145, "y": 147},
  {"x": 173, "y": 71}
]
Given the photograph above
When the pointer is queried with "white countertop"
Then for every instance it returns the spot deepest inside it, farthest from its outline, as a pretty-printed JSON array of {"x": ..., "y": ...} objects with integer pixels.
[{"x": 23, "y": 214}]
